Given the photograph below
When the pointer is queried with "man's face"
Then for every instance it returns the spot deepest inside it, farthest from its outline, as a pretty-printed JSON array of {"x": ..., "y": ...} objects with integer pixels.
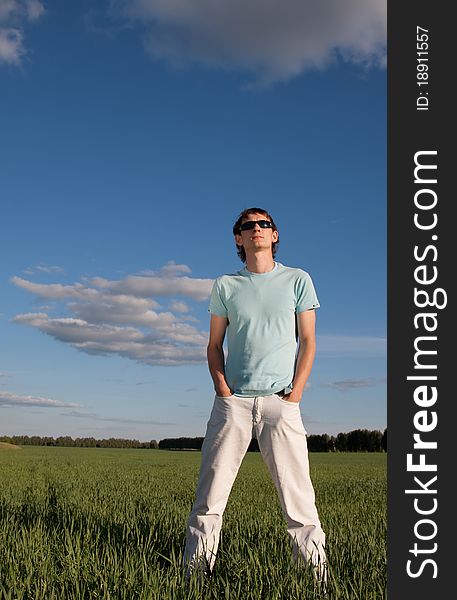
[{"x": 256, "y": 239}]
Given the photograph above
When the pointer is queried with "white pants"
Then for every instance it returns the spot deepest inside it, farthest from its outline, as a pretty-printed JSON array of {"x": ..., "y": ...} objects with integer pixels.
[{"x": 278, "y": 427}]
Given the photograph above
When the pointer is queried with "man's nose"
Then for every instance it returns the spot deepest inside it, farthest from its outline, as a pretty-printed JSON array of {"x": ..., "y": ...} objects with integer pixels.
[{"x": 257, "y": 227}]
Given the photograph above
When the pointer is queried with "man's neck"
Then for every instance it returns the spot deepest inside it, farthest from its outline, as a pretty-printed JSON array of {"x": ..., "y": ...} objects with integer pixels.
[{"x": 260, "y": 263}]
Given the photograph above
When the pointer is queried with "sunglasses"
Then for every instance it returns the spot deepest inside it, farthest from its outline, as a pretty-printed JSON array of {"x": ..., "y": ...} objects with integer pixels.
[{"x": 251, "y": 224}]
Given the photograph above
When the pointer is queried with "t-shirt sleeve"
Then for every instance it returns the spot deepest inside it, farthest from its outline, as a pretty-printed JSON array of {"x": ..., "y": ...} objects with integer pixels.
[
  {"x": 306, "y": 294},
  {"x": 216, "y": 303}
]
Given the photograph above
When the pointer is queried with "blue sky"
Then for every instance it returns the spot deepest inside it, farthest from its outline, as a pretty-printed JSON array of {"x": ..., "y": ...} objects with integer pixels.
[{"x": 132, "y": 135}]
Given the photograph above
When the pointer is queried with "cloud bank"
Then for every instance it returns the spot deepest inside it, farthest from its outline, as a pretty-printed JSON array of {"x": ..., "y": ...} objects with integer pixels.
[
  {"x": 9, "y": 399},
  {"x": 43, "y": 269},
  {"x": 340, "y": 345},
  {"x": 271, "y": 39},
  {"x": 14, "y": 14},
  {"x": 125, "y": 317},
  {"x": 95, "y": 417},
  {"x": 146, "y": 318},
  {"x": 346, "y": 385}
]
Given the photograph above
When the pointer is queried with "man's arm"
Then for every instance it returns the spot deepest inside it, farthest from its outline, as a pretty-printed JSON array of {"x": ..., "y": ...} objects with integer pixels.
[
  {"x": 215, "y": 354},
  {"x": 306, "y": 324}
]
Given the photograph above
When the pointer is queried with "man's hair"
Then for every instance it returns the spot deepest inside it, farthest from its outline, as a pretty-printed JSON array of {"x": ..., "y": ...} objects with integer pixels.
[{"x": 237, "y": 229}]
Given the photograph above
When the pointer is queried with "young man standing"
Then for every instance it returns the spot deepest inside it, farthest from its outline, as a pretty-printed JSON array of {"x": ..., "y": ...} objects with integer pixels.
[{"x": 258, "y": 390}]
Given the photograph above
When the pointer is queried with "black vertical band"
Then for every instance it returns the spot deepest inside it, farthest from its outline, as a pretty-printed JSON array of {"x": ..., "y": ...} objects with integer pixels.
[{"x": 421, "y": 327}]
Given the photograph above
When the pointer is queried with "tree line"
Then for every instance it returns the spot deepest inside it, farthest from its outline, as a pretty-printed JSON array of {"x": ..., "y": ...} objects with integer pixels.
[
  {"x": 358, "y": 440},
  {"x": 80, "y": 442}
]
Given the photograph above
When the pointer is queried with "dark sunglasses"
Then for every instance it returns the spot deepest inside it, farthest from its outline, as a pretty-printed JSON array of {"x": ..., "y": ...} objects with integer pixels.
[{"x": 251, "y": 224}]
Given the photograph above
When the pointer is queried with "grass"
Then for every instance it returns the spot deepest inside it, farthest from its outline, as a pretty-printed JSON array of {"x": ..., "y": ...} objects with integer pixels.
[{"x": 80, "y": 523}]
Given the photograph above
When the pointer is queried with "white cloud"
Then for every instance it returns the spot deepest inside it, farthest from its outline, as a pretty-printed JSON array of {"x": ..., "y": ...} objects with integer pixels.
[
  {"x": 123, "y": 317},
  {"x": 7, "y": 9},
  {"x": 157, "y": 285},
  {"x": 95, "y": 417},
  {"x": 345, "y": 385},
  {"x": 43, "y": 269},
  {"x": 272, "y": 39},
  {"x": 77, "y": 331},
  {"x": 165, "y": 282},
  {"x": 54, "y": 291},
  {"x": 13, "y": 15},
  {"x": 171, "y": 269},
  {"x": 119, "y": 308},
  {"x": 120, "y": 317},
  {"x": 15, "y": 11},
  {"x": 9, "y": 399},
  {"x": 11, "y": 46},
  {"x": 178, "y": 306},
  {"x": 335, "y": 345},
  {"x": 34, "y": 9},
  {"x": 49, "y": 268}
]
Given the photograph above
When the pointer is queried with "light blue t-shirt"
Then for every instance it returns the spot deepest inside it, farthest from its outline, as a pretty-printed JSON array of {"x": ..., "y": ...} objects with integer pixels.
[{"x": 261, "y": 342}]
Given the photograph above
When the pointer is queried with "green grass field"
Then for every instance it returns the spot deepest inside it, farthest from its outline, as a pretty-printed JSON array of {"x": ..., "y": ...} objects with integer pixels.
[{"x": 80, "y": 523}]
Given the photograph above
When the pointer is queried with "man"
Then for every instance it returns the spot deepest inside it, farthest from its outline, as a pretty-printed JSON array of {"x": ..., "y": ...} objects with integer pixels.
[{"x": 258, "y": 391}]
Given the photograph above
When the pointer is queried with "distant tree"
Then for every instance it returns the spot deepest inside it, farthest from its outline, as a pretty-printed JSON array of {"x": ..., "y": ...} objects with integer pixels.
[
  {"x": 363, "y": 440},
  {"x": 341, "y": 442},
  {"x": 64, "y": 441},
  {"x": 374, "y": 441},
  {"x": 384, "y": 440},
  {"x": 182, "y": 443},
  {"x": 319, "y": 443}
]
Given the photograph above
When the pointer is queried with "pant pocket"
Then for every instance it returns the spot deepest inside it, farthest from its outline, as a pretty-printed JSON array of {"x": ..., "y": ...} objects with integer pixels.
[
  {"x": 221, "y": 412},
  {"x": 281, "y": 399}
]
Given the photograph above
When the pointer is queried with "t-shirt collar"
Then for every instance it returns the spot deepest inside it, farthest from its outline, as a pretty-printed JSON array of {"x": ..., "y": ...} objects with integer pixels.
[{"x": 245, "y": 271}]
